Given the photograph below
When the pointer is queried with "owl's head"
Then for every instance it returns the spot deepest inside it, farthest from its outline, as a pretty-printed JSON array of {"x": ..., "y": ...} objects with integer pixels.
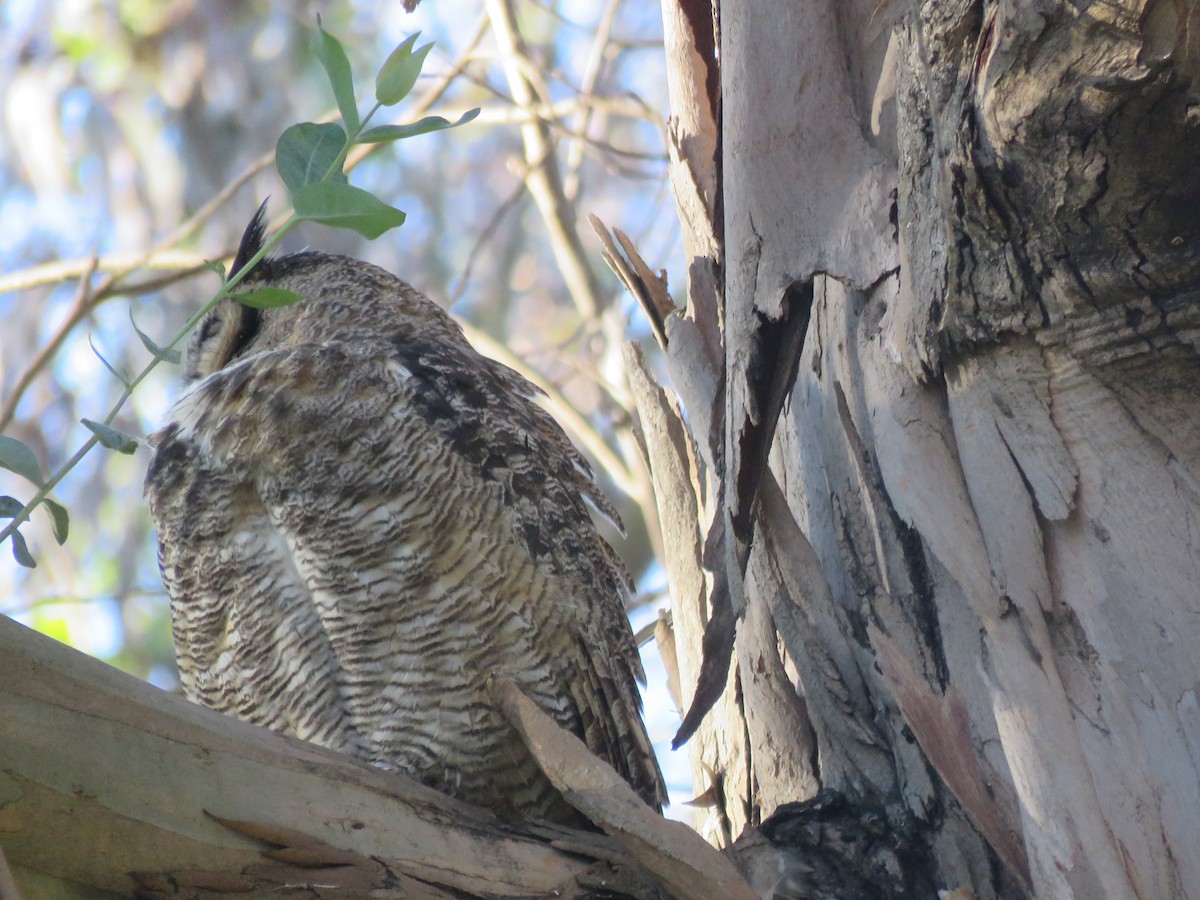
[
  {"x": 224, "y": 333},
  {"x": 344, "y": 299}
]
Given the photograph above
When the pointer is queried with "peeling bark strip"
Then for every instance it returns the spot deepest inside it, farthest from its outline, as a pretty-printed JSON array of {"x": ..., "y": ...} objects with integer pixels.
[
  {"x": 770, "y": 374},
  {"x": 687, "y": 866},
  {"x": 776, "y": 351},
  {"x": 716, "y": 651},
  {"x": 647, "y": 288},
  {"x": 976, "y": 544}
]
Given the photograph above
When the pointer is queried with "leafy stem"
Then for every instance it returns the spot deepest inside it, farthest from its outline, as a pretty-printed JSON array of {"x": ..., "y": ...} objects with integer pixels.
[
  {"x": 310, "y": 159},
  {"x": 109, "y": 436}
]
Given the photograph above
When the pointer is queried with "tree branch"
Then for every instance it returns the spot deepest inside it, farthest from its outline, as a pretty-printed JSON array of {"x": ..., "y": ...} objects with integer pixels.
[
  {"x": 102, "y": 775},
  {"x": 111, "y": 784},
  {"x": 544, "y": 179}
]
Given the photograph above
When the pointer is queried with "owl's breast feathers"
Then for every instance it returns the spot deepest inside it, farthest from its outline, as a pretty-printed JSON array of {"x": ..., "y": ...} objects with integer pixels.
[{"x": 358, "y": 533}]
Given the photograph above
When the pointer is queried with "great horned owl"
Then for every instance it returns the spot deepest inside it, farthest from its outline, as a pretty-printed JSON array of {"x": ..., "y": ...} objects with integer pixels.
[{"x": 361, "y": 521}]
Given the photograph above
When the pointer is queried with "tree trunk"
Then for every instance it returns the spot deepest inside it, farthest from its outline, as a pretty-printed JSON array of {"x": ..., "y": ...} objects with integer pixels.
[{"x": 944, "y": 271}]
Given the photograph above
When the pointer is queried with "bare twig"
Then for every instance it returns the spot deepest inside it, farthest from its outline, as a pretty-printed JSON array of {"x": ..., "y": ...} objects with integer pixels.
[
  {"x": 63, "y": 270},
  {"x": 79, "y": 308},
  {"x": 489, "y": 230},
  {"x": 118, "y": 268},
  {"x": 434, "y": 94},
  {"x": 544, "y": 179},
  {"x": 591, "y": 74},
  {"x": 550, "y": 112}
]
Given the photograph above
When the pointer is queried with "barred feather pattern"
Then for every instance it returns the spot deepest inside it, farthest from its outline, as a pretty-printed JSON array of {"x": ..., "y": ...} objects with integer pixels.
[{"x": 362, "y": 522}]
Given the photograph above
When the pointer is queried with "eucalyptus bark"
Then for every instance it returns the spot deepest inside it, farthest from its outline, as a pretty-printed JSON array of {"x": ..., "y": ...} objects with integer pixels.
[
  {"x": 933, "y": 436},
  {"x": 110, "y": 788}
]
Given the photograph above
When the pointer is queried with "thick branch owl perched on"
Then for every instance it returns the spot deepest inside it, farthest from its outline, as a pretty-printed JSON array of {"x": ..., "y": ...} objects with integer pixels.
[{"x": 361, "y": 521}]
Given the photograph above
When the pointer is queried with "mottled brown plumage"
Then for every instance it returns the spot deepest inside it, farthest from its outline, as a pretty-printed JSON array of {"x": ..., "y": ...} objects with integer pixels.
[{"x": 361, "y": 521}]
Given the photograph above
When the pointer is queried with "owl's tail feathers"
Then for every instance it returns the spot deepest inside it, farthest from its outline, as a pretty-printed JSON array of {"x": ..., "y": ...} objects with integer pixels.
[
  {"x": 604, "y": 692},
  {"x": 639, "y": 764}
]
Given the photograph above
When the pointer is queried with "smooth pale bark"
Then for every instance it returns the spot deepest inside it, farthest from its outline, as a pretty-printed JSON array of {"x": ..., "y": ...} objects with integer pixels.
[
  {"x": 969, "y": 603},
  {"x": 110, "y": 787}
]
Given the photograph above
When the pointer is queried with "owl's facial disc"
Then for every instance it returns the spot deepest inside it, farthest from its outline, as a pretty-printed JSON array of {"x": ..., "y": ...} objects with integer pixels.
[
  {"x": 219, "y": 338},
  {"x": 226, "y": 331}
]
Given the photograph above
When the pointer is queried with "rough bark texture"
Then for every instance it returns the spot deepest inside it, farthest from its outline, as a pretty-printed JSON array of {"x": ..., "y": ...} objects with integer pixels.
[{"x": 965, "y": 658}]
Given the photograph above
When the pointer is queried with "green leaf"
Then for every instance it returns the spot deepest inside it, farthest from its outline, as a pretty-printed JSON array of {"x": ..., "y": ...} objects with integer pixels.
[
  {"x": 17, "y": 457},
  {"x": 426, "y": 125},
  {"x": 168, "y": 356},
  {"x": 305, "y": 153},
  {"x": 344, "y": 206},
  {"x": 333, "y": 59},
  {"x": 266, "y": 298},
  {"x": 110, "y": 437},
  {"x": 62, "y": 521},
  {"x": 21, "y": 551},
  {"x": 10, "y": 506},
  {"x": 115, "y": 374},
  {"x": 399, "y": 73},
  {"x": 215, "y": 266}
]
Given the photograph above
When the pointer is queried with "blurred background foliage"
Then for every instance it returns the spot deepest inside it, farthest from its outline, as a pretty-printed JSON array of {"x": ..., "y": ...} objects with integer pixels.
[{"x": 135, "y": 143}]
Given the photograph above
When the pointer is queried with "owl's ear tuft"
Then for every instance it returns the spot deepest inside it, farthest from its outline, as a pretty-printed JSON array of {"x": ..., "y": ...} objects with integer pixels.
[{"x": 252, "y": 240}]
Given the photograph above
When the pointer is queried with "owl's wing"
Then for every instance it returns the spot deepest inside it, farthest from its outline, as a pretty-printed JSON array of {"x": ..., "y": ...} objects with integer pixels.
[
  {"x": 488, "y": 412},
  {"x": 403, "y": 488},
  {"x": 610, "y": 711}
]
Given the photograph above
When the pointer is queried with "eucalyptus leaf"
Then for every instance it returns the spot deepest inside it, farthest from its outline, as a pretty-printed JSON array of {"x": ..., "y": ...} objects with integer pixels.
[
  {"x": 266, "y": 298},
  {"x": 306, "y": 152},
  {"x": 10, "y": 506},
  {"x": 62, "y": 521},
  {"x": 110, "y": 437},
  {"x": 399, "y": 73},
  {"x": 345, "y": 206},
  {"x": 382, "y": 133},
  {"x": 17, "y": 457},
  {"x": 168, "y": 356},
  {"x": 21, "y": 551},
  {"x": 333, "y": 59},
  {"x": 115, "y": 374}
]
